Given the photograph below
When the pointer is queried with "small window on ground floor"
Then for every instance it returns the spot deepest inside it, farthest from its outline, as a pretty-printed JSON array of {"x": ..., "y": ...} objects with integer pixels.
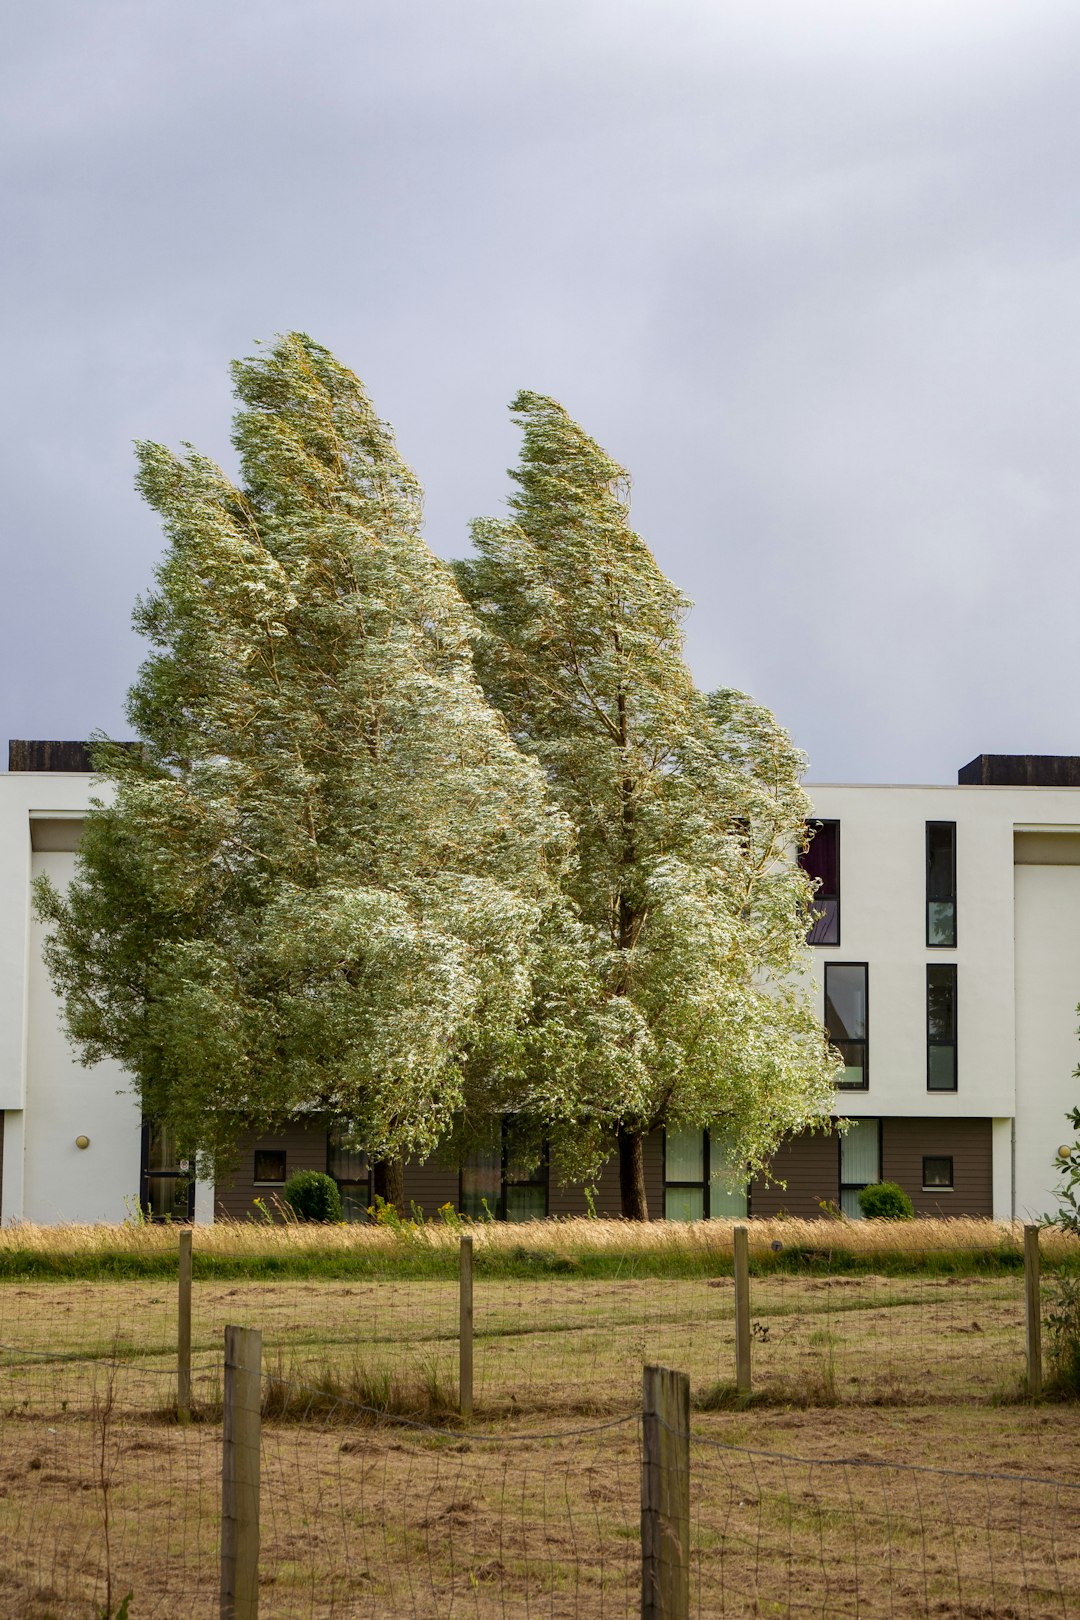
[
  {"x": 937, "y": 1172},
  {"x": 700, "y": 1182},
  {"x": 269, "y": 1167}
]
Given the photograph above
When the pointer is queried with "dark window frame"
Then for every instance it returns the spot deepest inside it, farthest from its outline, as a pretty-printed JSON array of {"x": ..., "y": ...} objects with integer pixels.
[
  {"x": 148, "y": 1173},
  {"x": 344, "y": 1182},
  {"x": 705, "y": 1186},
  {"x": 949, "y": 970},
  {"x": 931, "y": 944},
  {"x": 818, "y": 824},
  {"x": 865, "y": 1042},
  {"x": 857, "y": 1186},
  {"x": 541, "y": 1176},
  {"x": 939, "y": 1186},
  {"x": 269, "y": 1181}
]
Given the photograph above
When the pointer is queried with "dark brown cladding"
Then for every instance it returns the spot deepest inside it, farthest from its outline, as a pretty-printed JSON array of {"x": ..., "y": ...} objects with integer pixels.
[
  {"x": 1021, "y": 770},
  {"x": 967, "y": 1142},
  {"x": 810, "y": 1167},
  {"x": 304, "y": 1147}
]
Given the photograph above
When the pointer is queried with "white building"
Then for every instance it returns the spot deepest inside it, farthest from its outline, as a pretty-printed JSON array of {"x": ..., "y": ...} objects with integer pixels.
[{"x": 947, "y": 963}]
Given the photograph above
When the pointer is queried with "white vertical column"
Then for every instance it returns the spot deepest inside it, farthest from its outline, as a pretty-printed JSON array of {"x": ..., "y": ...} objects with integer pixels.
[
  {"x": 12, "y": 1194},
  {"x": 1002, "y": 1168}
]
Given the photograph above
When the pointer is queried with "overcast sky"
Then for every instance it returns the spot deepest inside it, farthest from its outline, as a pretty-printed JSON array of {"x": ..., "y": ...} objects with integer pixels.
[{"x": 808, "y": 269}]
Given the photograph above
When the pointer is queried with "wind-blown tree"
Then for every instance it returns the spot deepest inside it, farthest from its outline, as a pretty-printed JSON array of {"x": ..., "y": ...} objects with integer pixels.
[
  {"x": 675, "y": 999},
  {"x": 316, "y": 885}
]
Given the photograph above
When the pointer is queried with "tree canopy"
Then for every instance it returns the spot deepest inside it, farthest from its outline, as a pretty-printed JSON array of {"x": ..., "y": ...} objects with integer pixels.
[
  {"x": 317, "y": 884},
  {"x": 675, "y": 998}
]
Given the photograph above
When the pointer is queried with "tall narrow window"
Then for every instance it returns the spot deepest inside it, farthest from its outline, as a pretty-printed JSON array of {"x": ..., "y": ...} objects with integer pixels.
[
  {"x": 351, "y": 1170},
  {"x": 847, "y": 1022},
  {"x": 941, "y": 882},
  {"x": 821, "y": 860},
  {"x": 168, "y": 1181},
  {"x": 941, "y": 1026},
  {"x": 860, "y": 1163}
]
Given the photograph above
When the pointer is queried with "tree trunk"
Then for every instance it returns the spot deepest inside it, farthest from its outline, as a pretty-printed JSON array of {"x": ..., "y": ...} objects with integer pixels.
[
  {"x": 635, "y": 1204},
  {"x": 388, "y": 1182}
]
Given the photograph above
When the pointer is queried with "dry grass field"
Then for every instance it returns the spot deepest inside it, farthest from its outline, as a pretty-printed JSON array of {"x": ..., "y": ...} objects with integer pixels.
[{"x": 807, "y": 1500}]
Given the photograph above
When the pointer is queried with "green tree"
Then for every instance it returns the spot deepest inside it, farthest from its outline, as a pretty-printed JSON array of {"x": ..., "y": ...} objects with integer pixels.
[
  {"x": 675, "y": 1000},
  {"x": 316, "y": 885}
]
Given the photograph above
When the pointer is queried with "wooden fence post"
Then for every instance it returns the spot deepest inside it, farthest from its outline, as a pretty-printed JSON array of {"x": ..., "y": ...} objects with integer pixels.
[
  {"x": 465, "y": 1328},
  {"x": 1032, "y": 1300},
  {"x": 240, "y": 1474},
  {"x": 742, "y": 1311},
  {"x": 665, "y": 1495},
  {"x": 183, "y": 1331}
]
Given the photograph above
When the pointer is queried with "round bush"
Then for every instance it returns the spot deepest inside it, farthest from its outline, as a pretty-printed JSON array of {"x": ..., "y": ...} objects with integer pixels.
[
  {"x": 885, "y": 1201},
  {"x": 312, "y": 1196}
]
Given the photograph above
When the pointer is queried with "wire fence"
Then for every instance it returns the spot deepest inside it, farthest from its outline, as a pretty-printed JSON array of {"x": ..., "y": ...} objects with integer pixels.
[{"x": 377, "y": 1499}]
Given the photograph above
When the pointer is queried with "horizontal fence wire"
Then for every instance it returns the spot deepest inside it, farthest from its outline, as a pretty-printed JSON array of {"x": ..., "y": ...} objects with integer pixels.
[{"x": 778, "y": 1534}]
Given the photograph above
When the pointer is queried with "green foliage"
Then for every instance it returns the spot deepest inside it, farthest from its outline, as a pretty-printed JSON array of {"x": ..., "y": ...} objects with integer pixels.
[
  {"x": 313, "y": 1196},
  {"x": 1062, "y": 1320},
  {"x": 318, "y": 882},
  {"x": 671, "y": 993},
  {"x": 885, "y": 1201}
]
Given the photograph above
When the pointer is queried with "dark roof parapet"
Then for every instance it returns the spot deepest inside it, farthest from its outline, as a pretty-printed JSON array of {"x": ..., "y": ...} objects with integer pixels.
[{"x": 1021, "y": 770}]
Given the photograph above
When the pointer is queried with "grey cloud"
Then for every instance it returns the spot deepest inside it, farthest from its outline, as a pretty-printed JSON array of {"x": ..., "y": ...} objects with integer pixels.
[{"x": 808, "y": 269}]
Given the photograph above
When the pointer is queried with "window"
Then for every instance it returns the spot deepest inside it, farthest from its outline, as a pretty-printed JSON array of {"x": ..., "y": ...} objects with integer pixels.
[
  {"x": 168, "y": 1181},
  {"x": 352, "y": 1172},
  {"x": 936, "y": 1174},
  {"x": 941, "y": 883},
  {"x": 821, "y": 861},
  {"x": 498, "y": 1185},
  {"x": 941, "y": 1026},
  {"x": 860, "y": 1163},
  {"x": 846, "y": 1021},
  {"x": 269, "y": 1166},
  {"x": 700, "y": 1183}
]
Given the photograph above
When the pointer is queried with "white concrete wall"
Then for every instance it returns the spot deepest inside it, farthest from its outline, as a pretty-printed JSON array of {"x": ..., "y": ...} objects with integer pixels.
[
  {"x": 1047, "y": 992},
  {"x": 62, "y": 1182}
]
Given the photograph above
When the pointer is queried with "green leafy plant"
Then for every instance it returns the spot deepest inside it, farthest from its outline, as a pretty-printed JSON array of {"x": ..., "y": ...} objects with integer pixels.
[
  {"x": 885, "y": 1201},
  {"x": 313, "y": 1196},
  {"x": 1063, "y": 1331}
]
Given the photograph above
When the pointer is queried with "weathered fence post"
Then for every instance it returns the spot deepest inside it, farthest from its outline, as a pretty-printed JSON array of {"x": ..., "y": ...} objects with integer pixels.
[
  {"x": 742, "y": 1311},
  {"x": 183, "y": 1331},
  {"x": 665, "y": 1495},
  {"x": 1032, "y": 1300},
  {"x": 465, "y": 1328},
  {"x": 240, "y": 1474}
]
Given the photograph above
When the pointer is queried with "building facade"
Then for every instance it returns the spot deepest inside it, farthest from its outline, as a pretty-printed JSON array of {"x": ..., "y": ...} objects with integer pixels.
[{"x": 945, "y": 958}]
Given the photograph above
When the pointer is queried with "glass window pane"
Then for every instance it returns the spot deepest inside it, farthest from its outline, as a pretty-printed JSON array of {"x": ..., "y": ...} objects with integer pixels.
[
  {"x": 269, "y": 1164},
  {"x": 940, "y": 860},
  {"x": 849, "y": 1203},
  {"x": 941, "y": 922},
  {"x": 821, "y": 859},
  {"x": 937, "y": 1172},
  {"x": 845, "y": 1001},
  {"x": 684, "y": 1203},
  {"x": 825, "y": 928},
  {"x": 941, "y": 1001},
  {"x": 526, "y": 1202},
  {"x": 347, "y": 1164},
  {"x": 354, "y": 1201},
  {"x": 481, "y": 1181},
  {"x": 167, "y": 1197},
  {"x": 859, "y": 1152},
  {"x": 941, "y": 1070},
  {"x": 853, "y": 1074},
  {"x": 727, "y": 1182},
  {"x": 684, "y": 1156},
  {"x": 161, "y": 1148}
]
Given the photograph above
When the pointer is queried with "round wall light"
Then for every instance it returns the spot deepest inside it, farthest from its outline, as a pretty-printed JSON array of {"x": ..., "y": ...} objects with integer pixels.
[
  {"x": 82, "y": 1141},
  {"x": 1065, "y": 1152}
]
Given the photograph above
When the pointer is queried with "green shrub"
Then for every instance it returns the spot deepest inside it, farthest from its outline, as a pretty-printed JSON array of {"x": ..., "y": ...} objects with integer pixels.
[
  {"x": 312, "y": 1196},
  {"x": 885, "y": 1201}
]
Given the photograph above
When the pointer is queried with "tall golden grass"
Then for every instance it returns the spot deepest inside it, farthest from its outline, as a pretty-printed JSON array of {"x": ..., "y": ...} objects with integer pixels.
[{"x": 569, "y": 1237}]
